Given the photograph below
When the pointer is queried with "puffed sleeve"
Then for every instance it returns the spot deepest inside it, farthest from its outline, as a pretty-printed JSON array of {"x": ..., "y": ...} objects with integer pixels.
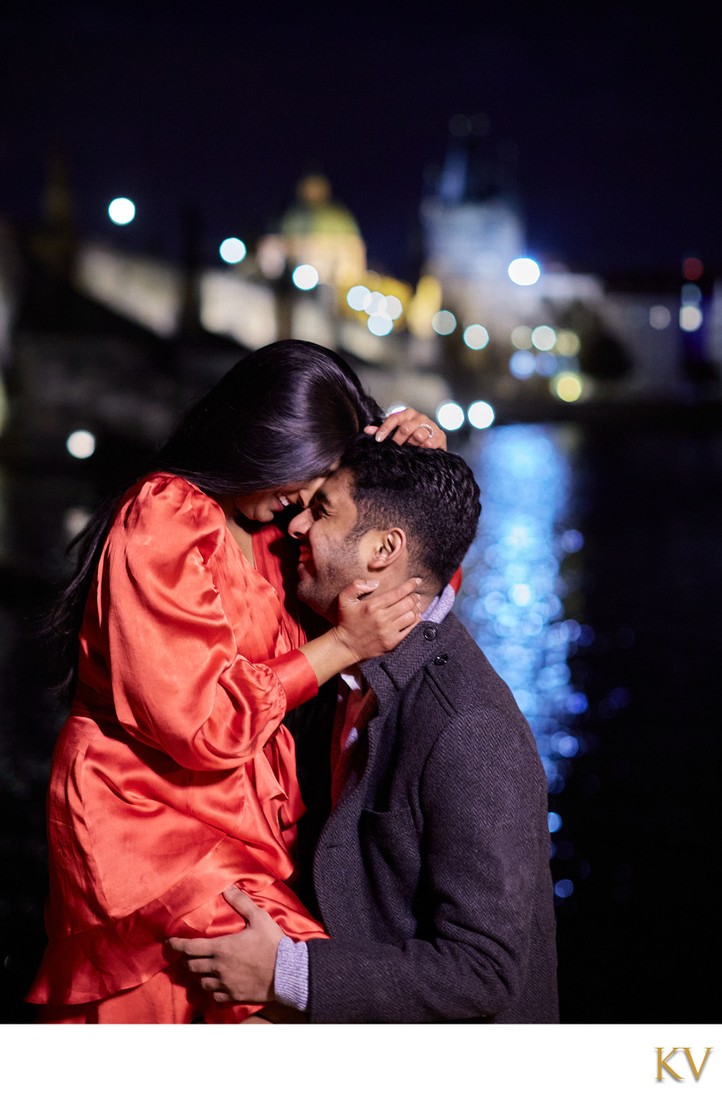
[{"x": 178, "y": 680}]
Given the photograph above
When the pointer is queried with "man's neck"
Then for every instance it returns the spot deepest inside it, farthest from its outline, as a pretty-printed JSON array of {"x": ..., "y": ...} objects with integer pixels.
[
  {"x": 427, "y": 592},
  {"x": 425, "y": 601}
]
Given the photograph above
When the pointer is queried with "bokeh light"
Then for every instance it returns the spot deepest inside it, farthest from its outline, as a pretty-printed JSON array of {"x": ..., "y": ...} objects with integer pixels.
[
  {"x": 443, "y": 323},
  {"x": 480, "y": 414},
  {"x": 450, "y": 416},
  {"x": 547, "y": 364},
  {"x": 75, "y": 519},
  {"x": 543, "y": 338},
  {"x": 232, "y": 250},
  {"x": 524, "y": 271},
  {"x": 81, "y": 444},
  {"x": 305, "y": 277},
  {"x": 394, "y": 306},
  {"x": 521, "y": 337},
  {"x": 476, "y": 336},
  {"x": 358, "y": 297},
  {"x": 659, "y": 317},
  {"x": 376, "y": 304},
  {"x": 121, "y": 211},
  {"x": 567, "y": 343},
  {"x": 567, "y": 386},
  {"x": 692, "y": 268},
  {"x": 380, "y": 325},
  {"x": 690, "y": 319},
  {"x": 522, "y": 364}
]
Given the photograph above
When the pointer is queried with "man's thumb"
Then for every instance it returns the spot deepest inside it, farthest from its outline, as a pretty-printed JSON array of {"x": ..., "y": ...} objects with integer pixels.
[{"x": 240, "y": 901}]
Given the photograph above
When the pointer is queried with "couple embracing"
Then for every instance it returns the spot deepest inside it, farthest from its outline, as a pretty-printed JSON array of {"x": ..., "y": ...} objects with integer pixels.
[{"x": 178, "y": 888}]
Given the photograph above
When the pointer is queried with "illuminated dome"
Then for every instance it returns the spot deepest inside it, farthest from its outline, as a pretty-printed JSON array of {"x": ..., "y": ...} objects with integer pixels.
[
  {"x": 315, "y": 212},
  {"x": 316, "y": 230}
]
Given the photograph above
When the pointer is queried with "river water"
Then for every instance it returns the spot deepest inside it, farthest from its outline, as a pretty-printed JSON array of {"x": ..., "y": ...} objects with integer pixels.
[{"x": 594, "y": 588}]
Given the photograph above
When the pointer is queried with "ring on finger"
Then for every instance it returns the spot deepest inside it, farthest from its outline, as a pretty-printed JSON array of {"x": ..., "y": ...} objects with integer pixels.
[{"x": 426, "y": 426}]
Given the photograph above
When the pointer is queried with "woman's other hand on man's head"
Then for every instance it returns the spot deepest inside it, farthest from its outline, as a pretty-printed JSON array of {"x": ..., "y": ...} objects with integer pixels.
[{"x": 409, "y": 425}]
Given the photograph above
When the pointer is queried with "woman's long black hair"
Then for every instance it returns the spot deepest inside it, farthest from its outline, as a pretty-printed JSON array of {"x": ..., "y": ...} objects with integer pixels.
[{"x": 282, "y": 415}]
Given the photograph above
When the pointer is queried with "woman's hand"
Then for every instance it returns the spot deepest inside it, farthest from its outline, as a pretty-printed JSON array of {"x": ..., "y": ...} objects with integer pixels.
[
  {"x": 412, "y": 426},
  {"x": 370, "y": 624}
]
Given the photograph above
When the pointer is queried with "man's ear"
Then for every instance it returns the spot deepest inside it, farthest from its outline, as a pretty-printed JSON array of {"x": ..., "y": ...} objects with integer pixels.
[{"x": 387, "y": 546}]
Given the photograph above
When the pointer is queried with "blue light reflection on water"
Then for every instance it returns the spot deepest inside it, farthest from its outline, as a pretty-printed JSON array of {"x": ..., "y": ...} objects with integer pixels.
[{"x": 519, "y": 598}]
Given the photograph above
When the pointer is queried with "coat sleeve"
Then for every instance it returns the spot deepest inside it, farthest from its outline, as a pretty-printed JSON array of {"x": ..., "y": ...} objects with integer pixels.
[
  {"x": 484, "y": 840},
  {"x": 179, "y": 682}
]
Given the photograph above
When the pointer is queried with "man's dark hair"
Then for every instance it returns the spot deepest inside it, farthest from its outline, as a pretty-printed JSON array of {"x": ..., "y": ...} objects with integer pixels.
[{"x": 429, "y": 493}]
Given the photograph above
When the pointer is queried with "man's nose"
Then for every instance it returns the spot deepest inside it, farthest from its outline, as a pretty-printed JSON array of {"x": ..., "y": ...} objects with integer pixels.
[{"x": 300, "y": 525}]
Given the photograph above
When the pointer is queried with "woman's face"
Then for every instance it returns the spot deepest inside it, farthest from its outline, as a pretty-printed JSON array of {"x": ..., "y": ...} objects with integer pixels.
[{"x": 262, "y": 506}]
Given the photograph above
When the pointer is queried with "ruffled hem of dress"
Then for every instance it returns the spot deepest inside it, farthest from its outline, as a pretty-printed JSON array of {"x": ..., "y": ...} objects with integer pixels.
[{"x": 104, "y": 960}]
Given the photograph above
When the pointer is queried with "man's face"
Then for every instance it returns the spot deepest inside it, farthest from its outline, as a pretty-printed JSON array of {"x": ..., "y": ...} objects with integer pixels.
[{"x": 328, "y": 560}]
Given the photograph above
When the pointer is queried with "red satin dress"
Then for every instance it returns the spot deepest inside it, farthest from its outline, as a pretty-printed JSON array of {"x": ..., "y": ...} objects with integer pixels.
[{"x": 173, "y": 776}]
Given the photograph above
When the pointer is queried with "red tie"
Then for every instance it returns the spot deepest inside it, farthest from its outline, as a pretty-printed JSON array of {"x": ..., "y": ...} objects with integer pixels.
[{"x": 354, "y": 711}]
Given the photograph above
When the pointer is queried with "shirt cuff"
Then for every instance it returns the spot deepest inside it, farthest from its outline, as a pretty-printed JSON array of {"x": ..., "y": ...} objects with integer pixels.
[
  {"x": 296, "y": 676},
  {"x": 290, "y": 980}
]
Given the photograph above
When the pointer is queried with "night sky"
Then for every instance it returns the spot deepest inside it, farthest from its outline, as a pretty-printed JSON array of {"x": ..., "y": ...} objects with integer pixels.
[{"x": 613, "y": 111}]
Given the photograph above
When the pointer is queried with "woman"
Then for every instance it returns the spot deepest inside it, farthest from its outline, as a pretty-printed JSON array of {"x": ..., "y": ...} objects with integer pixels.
[{"x": 174, "y": 775}]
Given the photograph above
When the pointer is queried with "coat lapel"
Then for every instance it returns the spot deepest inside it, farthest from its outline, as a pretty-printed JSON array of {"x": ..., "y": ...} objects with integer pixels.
[{"x": 387, "y": 676}]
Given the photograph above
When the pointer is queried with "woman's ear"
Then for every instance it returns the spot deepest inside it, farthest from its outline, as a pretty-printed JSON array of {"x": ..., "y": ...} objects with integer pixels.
[{"x": 387, "y": 547}]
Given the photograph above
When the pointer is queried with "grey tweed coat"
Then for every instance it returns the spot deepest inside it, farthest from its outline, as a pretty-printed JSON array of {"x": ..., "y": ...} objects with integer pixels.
[{"x": 432, "y": 873}]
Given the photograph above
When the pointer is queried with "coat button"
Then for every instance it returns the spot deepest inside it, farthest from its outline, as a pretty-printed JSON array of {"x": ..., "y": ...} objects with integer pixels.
[
  {"x": 441, "y": 659},
  {"x": 430, "y": 633}
]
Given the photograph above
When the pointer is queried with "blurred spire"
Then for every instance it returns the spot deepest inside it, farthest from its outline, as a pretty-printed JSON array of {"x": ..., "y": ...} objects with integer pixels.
[
  {"x": 476, "y": 169},
  {"x": 54, "y": 241}
]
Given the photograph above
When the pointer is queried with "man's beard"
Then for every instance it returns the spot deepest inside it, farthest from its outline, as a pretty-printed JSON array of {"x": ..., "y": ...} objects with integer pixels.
[{"x": 321, "y": 591}]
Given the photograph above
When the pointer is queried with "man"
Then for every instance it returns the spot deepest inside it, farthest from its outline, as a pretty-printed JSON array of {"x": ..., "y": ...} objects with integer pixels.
[{"x": 431, "y": 873}]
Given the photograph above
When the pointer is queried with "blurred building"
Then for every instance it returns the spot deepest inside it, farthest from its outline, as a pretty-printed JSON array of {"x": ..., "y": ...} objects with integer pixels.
[
  {"x": 483, "y": 321},
  {"x": 517, "y": 328},
  {"x": 87, "y": 375},
  {"x": 316, "y": 230}
]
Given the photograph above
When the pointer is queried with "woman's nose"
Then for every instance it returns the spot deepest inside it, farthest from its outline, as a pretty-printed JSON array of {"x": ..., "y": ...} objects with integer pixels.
[{"x": 307, "y": 493}]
